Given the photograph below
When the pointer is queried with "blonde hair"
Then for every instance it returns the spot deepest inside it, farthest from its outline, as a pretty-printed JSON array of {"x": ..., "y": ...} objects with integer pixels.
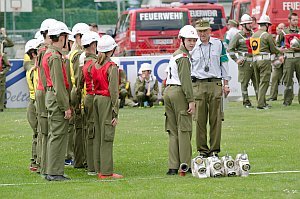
[{"x": 101, "y": 58}]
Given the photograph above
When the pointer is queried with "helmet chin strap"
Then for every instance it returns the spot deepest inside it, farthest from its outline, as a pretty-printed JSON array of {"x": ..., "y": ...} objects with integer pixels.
[
  {"x": 65, "y": 42},
  {"x": 245, "y": 26},
  {"x": 182, "y": 39}
]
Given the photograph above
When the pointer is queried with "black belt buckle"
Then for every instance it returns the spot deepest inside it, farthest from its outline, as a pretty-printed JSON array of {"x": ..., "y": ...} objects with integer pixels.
[{"x": 194, "y": 79}]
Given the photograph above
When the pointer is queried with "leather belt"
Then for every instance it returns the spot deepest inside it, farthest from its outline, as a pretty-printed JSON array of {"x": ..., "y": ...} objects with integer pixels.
[
  {"x": 194, "y": 79},
  {"x": 173, "y": 85}
]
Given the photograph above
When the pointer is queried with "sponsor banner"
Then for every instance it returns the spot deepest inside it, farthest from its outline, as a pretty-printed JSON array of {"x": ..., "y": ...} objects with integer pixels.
[{"x": 18, "y": 95}]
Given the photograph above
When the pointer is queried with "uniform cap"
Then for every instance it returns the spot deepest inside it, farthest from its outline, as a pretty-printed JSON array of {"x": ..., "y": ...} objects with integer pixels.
[
  {"x": 188, "y": 31},
  {"x": 145, "y": 67},
  {"x": 80, "y": 28},
  {"x": 202, "y": 24},
  {"x": 31, "y": 44},
  {"x": 58, "y": 28},
  {"x": 233, "y": 22},
  {"x": 106, "y": 43},
  {"x": 45, "y": 25},
  {"x": 89, "y": 37},
  {"x": 245, "y": 19},
  {"x": 264, "y": 19}
]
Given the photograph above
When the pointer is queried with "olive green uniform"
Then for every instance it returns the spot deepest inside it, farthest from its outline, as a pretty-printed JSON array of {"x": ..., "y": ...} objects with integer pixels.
[
  {"x": 79, "y": 152},
  {"x": 246, "y": 72},
  {"x": 89, "y": 116},
  {"x": 126, "y": 98},
  {"x": 70, "y": 145},
  {"x": 140, "y": 90},
  {"x": 106, "y": 108},
  {"x": 57, "y": 102},
  {"x": 31, "y": 78},
  {"x": 178, "y": 121},
  {"x": 290, "y": 65},
  {"x": 262, "y": 65},
  {"x": 4, "y": 68},
  {"x": 42, "y": 114},
  {"x": 277, "y": 73}
]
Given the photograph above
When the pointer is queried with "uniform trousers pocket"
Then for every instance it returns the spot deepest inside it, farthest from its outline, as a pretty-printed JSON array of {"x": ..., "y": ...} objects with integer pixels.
[
  {"x": 57, "y": 124},
  {"x": 109, "y": 131},
  {"x": 91, "y": 131},
  {"x": 185, "y": 121}
]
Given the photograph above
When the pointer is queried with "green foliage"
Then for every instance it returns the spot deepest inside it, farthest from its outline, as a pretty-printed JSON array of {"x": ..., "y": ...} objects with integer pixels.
[{"x": 270, "y": 137}]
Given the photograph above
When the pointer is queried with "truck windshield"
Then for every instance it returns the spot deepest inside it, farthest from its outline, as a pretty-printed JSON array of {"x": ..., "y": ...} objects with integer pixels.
[
  {"x": 161, "y": 20},
  {"x": 214, "y": 16}
]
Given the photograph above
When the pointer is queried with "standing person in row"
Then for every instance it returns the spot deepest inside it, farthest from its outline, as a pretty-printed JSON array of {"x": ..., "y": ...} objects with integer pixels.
[
  {"x": 240, "y": 44},
  {"x": 57, "y": 102},
  {"x": 179, "y": 101},
  {"x": 292, "y": 59},
  {"x": 4, "y": 65},
  {"x": 277, "y": 70},
  {"x": 209, "y": 69},
  {"x": 31, "y": 77},
  {"x": 106, "y": 107},
  {"x": 263, "y": 49},
  {"x": 89, "y": 42},
  {"x": 79, "y": 153},
  {"x": 42, "y": 113}
]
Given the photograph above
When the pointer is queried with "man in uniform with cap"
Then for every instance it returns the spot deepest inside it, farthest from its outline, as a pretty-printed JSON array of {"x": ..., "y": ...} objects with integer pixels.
[
  {"x": 4, "y": 65},
  {"x": 292, "y": 59},
  {"x": 264, "y": 51},
  {"x": 240, "y": 44},
  {"x": 57, "y": 102},
  {"x": 210, "y": 81},
  {"x": 233, "y": 30}
]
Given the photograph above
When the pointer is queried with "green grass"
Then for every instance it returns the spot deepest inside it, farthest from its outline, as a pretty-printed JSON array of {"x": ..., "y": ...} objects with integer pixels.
[{"x": 271, "y": 138}]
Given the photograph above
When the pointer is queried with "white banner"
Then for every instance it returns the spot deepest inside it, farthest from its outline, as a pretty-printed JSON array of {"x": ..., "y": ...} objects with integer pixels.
[{"x": 18, "y": 95}]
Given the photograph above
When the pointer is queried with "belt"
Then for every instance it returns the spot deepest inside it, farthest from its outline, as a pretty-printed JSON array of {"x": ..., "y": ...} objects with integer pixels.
[
  {"x": 245, "y": 54},
  {"x": 173, "y": 85},
  {"x": 264, "y": 57},
  {"x": 291, "y": 55},
  {"x": 194, "y": 79},
  {"x": 50, "y": 88}
]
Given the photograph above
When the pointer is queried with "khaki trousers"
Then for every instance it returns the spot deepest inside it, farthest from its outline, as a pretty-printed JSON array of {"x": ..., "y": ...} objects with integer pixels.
[
  {"x": 179, "y": 127},
  {"x": 208, "y": 96}
]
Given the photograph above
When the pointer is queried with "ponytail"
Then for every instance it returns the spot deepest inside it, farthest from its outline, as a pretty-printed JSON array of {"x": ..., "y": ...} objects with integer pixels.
[{"x": 101, "y": 58}]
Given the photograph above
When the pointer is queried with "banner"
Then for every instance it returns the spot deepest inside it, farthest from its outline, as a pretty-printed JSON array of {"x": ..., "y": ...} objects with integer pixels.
[{"x": 18, "y": 95}]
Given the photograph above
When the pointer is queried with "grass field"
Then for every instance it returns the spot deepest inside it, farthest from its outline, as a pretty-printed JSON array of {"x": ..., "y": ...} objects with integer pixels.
[{"x": 270, "y": 137}]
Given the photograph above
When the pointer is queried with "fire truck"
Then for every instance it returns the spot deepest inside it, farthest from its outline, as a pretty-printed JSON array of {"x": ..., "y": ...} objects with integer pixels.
[
  {"x": 209, "y": 10},
  {"x": 150, "y": 31},
  {"x": 277, "y": 10}
]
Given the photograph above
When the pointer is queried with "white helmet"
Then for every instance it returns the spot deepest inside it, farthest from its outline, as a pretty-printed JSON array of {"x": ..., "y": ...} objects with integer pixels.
[
  {"x": 106, "y": 43},
  {"x": 45, "y": 25},
  {"x": 37, "y": 34},
  {"x": 145, "y": 67},
  {"x": 89, "y": 37},
  {"x": 31, "y": 44},
  {"x": 40, "y": 40},
  {"x": 58, "y": 28},
  {"x": 80, "y": 28},
  {"x": 71, "y": 37},
  {"x": 245, "y": 19},
  {"x": 264, "y": 19},
  {"x": 188, "y": 31}
]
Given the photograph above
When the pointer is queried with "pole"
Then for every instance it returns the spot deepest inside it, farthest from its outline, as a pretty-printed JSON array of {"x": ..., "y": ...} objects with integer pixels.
[
  {"x": 63, "y": 10},
  {"x": 96, "y": 7},
  {"x": 5, "y": 14},
  {"x": 119, "y": 8}
]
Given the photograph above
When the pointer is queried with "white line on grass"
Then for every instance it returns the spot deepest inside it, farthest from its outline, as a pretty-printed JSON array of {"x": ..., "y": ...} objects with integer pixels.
[{"x": 124, "y": 179}]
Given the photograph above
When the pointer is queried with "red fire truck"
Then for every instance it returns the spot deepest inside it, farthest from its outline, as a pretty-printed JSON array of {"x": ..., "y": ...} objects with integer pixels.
[
  {"x": 209, "y": 10},
  {"x": 150, "y": 31},
  {"x": 277, "y": 10}
]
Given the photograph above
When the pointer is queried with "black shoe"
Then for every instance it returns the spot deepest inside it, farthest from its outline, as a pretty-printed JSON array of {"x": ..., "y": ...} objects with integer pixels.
[
  {"x": 172, "y": 172},
  {"x": 286, "y": 104},
  {"x": 202, "y": 154},
  {"x": 1, "y": 110},
  {"x": 189, "y": 171},
  {"x": 150, "y": 104},
  {"x": 56, "y": 178},
  {"x": 213, "y": 154},
  {"x": 272, "y": 99}
]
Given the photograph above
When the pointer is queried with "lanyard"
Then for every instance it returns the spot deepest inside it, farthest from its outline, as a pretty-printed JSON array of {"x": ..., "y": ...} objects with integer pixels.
[{"x": 206, "y": 67}]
